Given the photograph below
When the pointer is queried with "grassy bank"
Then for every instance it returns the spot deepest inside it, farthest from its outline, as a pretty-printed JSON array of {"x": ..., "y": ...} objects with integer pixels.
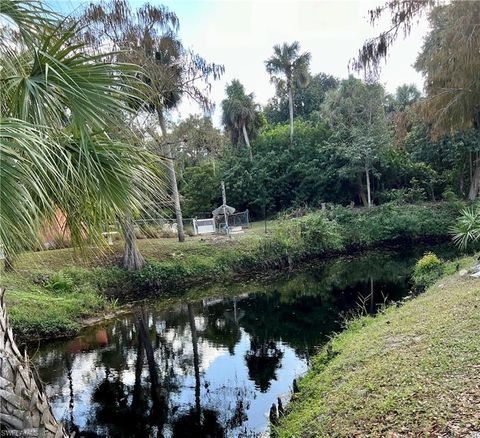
[
  {"x": 410, "y": 371},
  {"x": 52, "y": 292}
]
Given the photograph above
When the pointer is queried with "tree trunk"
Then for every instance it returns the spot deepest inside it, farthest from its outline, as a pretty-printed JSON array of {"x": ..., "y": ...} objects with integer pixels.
[
  {"x": 369, "y": 196},
  {"x": 361, "y": 190},
  {"x": 159, "y": 407},
  {"x": 475, "y": 183},
  {"x": 173, "y": 178},
  {"x": 23, "y": 404},
  {"x": 290, "y": 108},
  {"x": 247, "y": 141},
  {"x": 132, "y": 258}
]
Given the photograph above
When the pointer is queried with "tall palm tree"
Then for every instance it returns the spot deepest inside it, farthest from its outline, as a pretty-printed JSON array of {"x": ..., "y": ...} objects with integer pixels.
[
  {"x": 288, "y": 62},
  {"x": 148, "y": 37},
  {"x": 240, "y": 115}
]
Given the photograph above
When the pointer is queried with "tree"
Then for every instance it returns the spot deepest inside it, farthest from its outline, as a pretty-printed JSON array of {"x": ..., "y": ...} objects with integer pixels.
[
  {"x": 306, "y": 101},
  {"x": 293, "y": 66},
  {"x": 401, "y": 110},
  {"x": 357, "y": 117},
  {"x": 60, "y": 106},
  {"x": 201, "y": 188},
  {"x": 240, "y": 115},
  {"x": 198, "y": 140},
  {"x": 403, "y": 15},
  {"x": 148, "y": 38},
  {"x": 450, "y": 64}
]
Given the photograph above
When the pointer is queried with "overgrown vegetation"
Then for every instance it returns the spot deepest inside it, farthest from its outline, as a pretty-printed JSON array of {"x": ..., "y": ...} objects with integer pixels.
[
  {"x": 50, "y": 296},
  {"x": 410, "y": 370}
]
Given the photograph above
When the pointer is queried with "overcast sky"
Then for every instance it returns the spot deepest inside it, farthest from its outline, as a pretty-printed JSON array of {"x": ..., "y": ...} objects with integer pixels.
[{"x": 240, "y": 35}]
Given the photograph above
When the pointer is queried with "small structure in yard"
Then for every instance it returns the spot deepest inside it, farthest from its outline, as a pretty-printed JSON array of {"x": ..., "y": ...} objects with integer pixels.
[
  {"x": 224, "y": 220},
  {"x": 204, "y": 226}
]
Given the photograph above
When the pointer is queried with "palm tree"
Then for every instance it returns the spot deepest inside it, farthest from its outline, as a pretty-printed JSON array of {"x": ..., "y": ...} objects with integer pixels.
[
  {"x": 59, "y": 108},
  {"x": 148, "y": 37},
  {"x": 287, "y": 61},
  {"x": 240, "y": 115},
  {"x": 18, "y": 412}
]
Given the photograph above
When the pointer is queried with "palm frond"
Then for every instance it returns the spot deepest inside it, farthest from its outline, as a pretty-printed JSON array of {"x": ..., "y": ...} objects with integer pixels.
[{"x": 467, "y": 229}]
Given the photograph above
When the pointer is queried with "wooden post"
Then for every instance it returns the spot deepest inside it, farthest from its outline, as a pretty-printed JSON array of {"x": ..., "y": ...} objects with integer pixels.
[{"x": 224, "y": 201}]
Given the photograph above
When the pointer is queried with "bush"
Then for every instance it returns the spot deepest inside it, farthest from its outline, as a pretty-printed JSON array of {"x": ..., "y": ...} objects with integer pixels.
[
  {"x": 60, "y": 282},
  {"x": 312, "y": 234},
  {"x": 427, "y": 270},
  {"x": 392, "y": 222}
]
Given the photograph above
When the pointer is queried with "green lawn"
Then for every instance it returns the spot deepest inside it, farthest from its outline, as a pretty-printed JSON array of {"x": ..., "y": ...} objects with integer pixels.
[
  {"x": 411, "y": 371},
  {"x": 38, "y": 309},
  {"x": 159, "y": 249}
]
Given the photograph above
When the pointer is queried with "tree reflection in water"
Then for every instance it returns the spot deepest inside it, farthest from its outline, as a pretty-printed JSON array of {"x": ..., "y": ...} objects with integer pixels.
[{"x": 211, "y": 368}]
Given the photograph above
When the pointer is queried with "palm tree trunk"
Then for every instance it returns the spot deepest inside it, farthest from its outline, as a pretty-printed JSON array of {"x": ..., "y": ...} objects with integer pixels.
[
  {"x": 247, "y": 141},
  {"x": 23, "y": 404},
  {"x": 173, "y": 178},
  {"x": 369, "y": 196},
  {"x": 132, "y": 258},
  {"x": 290, "y": 107}
]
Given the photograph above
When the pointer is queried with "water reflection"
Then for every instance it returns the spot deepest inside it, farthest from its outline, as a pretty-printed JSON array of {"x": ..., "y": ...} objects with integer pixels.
[{"x": 213, "y": 367}]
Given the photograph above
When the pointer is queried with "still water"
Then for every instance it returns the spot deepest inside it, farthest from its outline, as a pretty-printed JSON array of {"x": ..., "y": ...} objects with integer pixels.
[{"x": 213, "y": 366}]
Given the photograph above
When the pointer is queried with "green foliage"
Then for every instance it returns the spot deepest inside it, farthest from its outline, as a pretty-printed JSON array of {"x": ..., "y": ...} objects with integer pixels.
[
  {"x": 466, "y": 230},
  {"x": 281, "y": 177},
  {"x": 60, "y": 282},
  {"x": 201, "y": 188},
  {"x": 306, "y": 100},
  {"x": 165, "y": 276},
  {"x": 393, "y": 222},
  {"x": 427, "y": 270},
  {"x": 199, "y": 140},
  {"x": 313, "y": 234},
  {"x": 62, "y": 133},
  {"x": 239, "y": 112}
]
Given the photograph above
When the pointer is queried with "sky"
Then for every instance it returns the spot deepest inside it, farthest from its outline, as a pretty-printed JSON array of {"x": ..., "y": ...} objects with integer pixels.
[{"x": 240, "y": 35}]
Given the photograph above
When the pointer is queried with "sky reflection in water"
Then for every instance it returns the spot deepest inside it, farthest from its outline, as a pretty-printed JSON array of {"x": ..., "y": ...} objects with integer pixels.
[{"x": 214, "y": 367}]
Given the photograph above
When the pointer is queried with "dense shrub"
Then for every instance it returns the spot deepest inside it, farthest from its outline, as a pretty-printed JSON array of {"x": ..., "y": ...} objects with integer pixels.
[
  {"x": 391, "y": 222},
  {"x": 427, "y": 270}
]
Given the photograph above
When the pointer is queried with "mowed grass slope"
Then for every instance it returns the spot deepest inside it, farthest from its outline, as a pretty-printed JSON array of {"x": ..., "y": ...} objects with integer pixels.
[{"x": 410, "y": 371}]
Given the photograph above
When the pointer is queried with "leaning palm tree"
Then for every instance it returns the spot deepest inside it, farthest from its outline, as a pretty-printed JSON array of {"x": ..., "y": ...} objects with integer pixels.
[
  {"x": 287, "y": 61},
  {"x": 240, "y": 114}
]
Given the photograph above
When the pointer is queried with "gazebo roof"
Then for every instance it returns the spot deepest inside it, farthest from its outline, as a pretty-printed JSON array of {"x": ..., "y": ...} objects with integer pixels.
[{"x": 220, "y": 210}]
